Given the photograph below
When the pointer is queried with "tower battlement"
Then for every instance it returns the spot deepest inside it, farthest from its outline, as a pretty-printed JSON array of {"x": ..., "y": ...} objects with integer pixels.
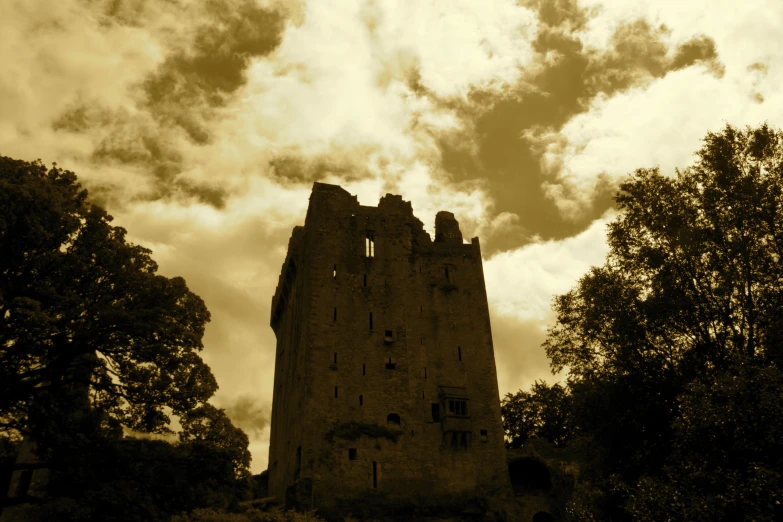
[{"x": 385, "y": 375}]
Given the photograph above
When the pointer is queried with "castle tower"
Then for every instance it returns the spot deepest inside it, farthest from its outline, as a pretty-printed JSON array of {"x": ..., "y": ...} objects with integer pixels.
[{"x": 385, "y": 374}]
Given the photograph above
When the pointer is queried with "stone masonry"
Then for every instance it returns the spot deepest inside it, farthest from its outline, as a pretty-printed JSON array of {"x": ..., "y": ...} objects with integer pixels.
[{"x": 385, "y": 376}]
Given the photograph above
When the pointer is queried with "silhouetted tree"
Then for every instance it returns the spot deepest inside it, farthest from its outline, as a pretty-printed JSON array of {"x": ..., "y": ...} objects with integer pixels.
[
  {"x": 543, "y": 412},
  {"x": 91, "y": 340},
  {"x": 690, "y": 293},
  {"x": 80, "y": 307}
]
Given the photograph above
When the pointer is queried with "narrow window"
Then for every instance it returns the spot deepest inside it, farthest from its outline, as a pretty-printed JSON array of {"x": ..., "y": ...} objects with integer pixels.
[
  {"x": 374, "y": 474},
  {"x": 335, "y": 392},
  {"x": 335, "y": 357},
  {"x": 365, "y": 279},
  {"x": 364, "y": 369},
  {"x": 484, "y": 437},
  {"x": 298, "y": 463},
  {"x": 334, "y": 272},
  {"x": 361, "y": 400},
  {"x": 451, "y": 403},
  {"x": 447, "y": 273},
  {"x": 422, "y": 395},
  {"x": 454, "y": 440},
  {"x": 393, "y": 418},
  {"x": 422, "y": 340},
  {"x": 352, "y": 454},
  {"x": 425, "y": 372},
  {"x": 370, "y": 320},
  {"x": 369, "y": 244},
  {"x": 335, "y": 314},
  {"x": 459, "y": 352},
  {"x": 464, "y": 440},
  {"x": 390, "y": 365},
  {"x": 435, "y": 411},
  {"x": 421, "y": 309}
]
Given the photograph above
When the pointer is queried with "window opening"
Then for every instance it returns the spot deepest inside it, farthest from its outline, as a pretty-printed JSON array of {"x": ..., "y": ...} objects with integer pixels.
[
  {"x": 370, "y": 320},
  {"x": 422, "y": 395},
  {"x": 435, "y": 411},
  {"x": 352, "y": 454},
  {"x": 365, "y": 279},
  {"x": 425, "y": 372},
  {"x": 374, "y": 474},
  {"x": 421, "y": 308},
  {"x": 335, "y": 357},
  {"x": 464, "y": 440},
  {"x": 369, "y": 244},
  {"x": 454, "y": 440},
  {"x": 334, "y": 272},
  {"x": 459, "y": 352},
  {"x": 364, "y": 369},
  {"x": 335, "y": 314},
  {"x": 390, "y": 365},
  {"x": 393, "y": 418},
  {"x": 484, "y": 437},
  {"x": 458, "y": 408},
  {"x": 422, "y": 341},
  {"x": 361, "y": 400},
  {"x": 447, "y": 273},
  {"x": 389, "y": 333},
  {"x": 335, "y": 392}
]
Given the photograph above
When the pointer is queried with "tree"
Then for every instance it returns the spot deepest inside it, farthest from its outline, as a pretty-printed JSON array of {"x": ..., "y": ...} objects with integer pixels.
[
  {"x": 83, "y": 311},
  {"x": 691, "y": 290},
  {"x": 543, "y": 412}
]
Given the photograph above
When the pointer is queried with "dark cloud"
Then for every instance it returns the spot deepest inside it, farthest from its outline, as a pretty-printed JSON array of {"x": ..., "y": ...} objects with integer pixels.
[
  {"x": 347, "y": 165},
  {"x": 570, "y": 77},
  {"x": 699, "y": 49},
  {"x": 122, "y": 139},
  {"x": 248, "y": 414},
  {"x": 178, "y": 97},
  {"x": 560, "y": 13},
  {"x": 213, "y": 64},
  {"x": 758, "y": 66}
]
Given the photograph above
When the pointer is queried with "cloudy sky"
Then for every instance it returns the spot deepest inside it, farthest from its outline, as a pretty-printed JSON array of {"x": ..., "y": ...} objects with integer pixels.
[{"x": 202, "y": 124}]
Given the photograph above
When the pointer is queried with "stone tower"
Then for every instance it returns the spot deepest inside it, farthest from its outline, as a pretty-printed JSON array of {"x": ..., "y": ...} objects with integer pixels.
[{"x": 385, "y": 376}]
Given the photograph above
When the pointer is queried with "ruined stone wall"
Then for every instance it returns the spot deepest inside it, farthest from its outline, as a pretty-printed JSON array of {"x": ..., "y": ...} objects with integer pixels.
[{"x": 362, "y": 337}]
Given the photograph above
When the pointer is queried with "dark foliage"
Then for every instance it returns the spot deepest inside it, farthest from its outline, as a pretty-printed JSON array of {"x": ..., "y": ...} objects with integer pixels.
[
  {"x": 82, "y": 309},
  {"x": 674, "y": 345},
  {"x": 543, "y": 412}
]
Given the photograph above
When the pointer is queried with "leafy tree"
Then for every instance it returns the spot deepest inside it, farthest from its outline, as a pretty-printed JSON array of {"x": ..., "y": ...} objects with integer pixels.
[
  {"x": 727, "y": 461},
  {"x": 543, "y": 412},
  {"x": 81, "y": 309},
  {"x": 210, "y": 426},
  {"x": 691, "y": 292},
  {"x": 91, "y": 340}
]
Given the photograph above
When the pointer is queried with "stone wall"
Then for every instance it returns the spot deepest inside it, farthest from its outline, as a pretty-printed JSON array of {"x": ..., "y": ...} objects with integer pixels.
[{"x": 376, "y": 326}]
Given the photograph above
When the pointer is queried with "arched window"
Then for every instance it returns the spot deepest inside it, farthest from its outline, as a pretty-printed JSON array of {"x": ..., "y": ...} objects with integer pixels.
[
  {"x": 393, "y": 418},
  {"x": 543, "y": 516}
]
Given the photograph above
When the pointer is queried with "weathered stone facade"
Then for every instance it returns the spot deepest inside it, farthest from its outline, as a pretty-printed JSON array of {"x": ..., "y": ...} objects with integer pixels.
[{"x": 385, "y": 376}]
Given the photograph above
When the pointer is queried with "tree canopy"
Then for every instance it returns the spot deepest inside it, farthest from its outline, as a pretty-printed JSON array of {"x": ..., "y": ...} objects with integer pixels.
[
  {"x": 92, "y": 340},
  {"x": 81, "y": 307},
  {"x": 674, "y": 346}
]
